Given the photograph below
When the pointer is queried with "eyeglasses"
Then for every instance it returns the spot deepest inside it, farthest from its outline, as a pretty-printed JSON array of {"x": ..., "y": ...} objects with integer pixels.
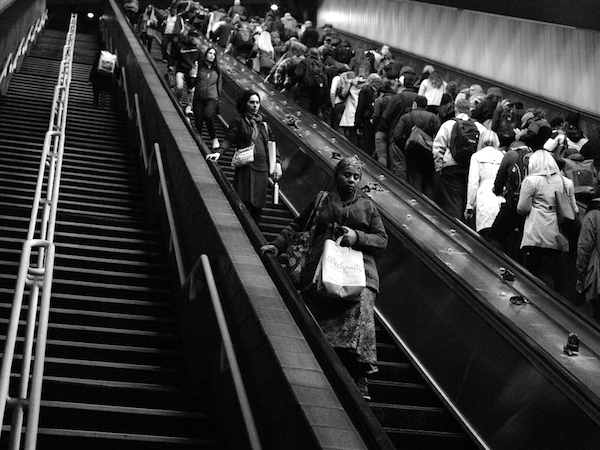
[{"x": 518, "y": 300}]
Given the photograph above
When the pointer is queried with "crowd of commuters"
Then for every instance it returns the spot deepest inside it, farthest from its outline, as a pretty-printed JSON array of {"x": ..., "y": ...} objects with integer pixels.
[{"x": 376, "y": 101}]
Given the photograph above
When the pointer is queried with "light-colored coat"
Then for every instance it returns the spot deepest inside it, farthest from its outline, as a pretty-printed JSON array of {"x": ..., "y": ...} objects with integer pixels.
[
  {"x": 483, "y": 168},
  {"x": 537, "y": 201}
]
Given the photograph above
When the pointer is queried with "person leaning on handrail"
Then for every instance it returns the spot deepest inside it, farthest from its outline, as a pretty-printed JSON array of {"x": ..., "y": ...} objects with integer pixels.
[
  {"x": 347, "y": 212},
  {"x": 251, "y": 180}
]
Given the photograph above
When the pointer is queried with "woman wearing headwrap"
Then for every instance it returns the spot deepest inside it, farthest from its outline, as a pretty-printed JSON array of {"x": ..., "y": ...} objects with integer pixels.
[
  {"x": 250, "y": 181},
  {"x": 344, "y": 211}
]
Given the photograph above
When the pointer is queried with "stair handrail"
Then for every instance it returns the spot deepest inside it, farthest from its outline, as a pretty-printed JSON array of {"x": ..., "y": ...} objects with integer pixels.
[
  {"x": 227, "y": 343},
  {"x": 37, "y": 273},
  {"x": 14, "y": 60},
  {"x": 189, "y": 283}
]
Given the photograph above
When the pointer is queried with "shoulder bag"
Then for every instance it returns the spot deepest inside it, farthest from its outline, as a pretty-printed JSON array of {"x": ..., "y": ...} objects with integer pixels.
[
  {"x": 300, "y": 245},
  {"x": 245, "y": 156},
  {"x": 568, "y": 222}
]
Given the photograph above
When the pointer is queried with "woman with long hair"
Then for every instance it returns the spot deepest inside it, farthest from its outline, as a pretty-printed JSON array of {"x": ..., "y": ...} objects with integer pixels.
[
  {"x": 207, "y": 93},
  {"x": 250, "y": 181},
  {"x": 433, "y": 88},
  {"x": 484, "y": 165},
  {"x": 265, "y": 53},
  {"x": 543, "y": 242}
]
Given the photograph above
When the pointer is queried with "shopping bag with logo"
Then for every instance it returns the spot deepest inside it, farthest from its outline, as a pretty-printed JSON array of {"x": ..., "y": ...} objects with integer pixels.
[
  {"x": 107, "y": 62},
  {"x": 341, "y": 272}
]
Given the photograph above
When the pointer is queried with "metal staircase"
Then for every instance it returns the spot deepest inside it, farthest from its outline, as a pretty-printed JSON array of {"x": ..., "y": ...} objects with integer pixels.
[{"x": 114, "y": 373}]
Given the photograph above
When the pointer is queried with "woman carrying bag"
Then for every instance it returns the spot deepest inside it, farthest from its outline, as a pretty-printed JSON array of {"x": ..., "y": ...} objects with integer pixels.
[
  {"x": 249, "y": 134},
  {"x": 543, "y": 242},
  {"x": 346, "y": 213}
]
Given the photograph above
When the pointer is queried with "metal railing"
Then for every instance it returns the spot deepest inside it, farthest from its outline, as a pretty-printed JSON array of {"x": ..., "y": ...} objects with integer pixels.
[
  {"x": 14, "y": 60},
  {"x": 36, "y": 270},
  {"x": 190, "y": 284}
]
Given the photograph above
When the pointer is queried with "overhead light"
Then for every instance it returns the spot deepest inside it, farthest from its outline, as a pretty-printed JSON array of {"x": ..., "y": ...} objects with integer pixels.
[
  {"x": 90, "y": 15},
  {"x": 274, "y": 7}
]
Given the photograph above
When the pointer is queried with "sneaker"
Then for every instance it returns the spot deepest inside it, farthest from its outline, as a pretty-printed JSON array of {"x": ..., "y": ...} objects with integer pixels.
[
  {"x": 189, "y": 111},
  {"x": 363, "y": 387},
  {"x": 215, "y": 143}
]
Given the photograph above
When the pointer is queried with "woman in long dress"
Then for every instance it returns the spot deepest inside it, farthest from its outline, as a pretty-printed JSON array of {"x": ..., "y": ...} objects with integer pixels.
[{"x": 347, "y": 213}]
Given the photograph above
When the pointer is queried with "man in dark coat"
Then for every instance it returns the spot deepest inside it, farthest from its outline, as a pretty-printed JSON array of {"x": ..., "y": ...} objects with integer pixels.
[{"x": 419, "y": 159}]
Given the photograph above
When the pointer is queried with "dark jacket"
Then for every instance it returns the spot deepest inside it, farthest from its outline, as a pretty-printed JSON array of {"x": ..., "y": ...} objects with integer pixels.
[
  {"x": 239, "y": 135},
  {"x": 185, "y": 55},
  {"x": 365, "y": 104},
  {"x": 310, "y": 37},
  {"x": 425, "y": 120},
  {"x": 208, "y": 82},
  {"x": 399, "y": 105},
  {"x": 360, "y": 214}
]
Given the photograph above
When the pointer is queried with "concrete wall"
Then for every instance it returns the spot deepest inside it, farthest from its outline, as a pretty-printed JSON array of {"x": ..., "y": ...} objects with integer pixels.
[
  {"x": 293, "y": 402},
  {"x": 15, "y": 22},
  {"x": 556, "y": 62}
]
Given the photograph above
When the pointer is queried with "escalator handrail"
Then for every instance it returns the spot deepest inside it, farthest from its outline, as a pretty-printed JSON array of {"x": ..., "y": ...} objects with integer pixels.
[
  {"x": 38, "y": 275},
  {"x": 359, "y": 412}
]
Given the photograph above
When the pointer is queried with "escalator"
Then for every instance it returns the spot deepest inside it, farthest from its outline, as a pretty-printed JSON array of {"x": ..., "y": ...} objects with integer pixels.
[
  {"x": 468, "y": 259},
  {"x": 115, "y": 374},
  {"x": 443, "y": 302}
]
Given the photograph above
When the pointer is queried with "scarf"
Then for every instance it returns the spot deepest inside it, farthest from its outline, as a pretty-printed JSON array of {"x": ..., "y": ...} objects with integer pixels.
[{"x": 254, "y": 120}]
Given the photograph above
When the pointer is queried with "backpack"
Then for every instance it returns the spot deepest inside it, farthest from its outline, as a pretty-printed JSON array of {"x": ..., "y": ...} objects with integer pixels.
[
  {"x": 344, "y": 52},
  {"x": 583, "y": 174},
  {"x": 463, "y": 140},
  {"x": 506, "y": 128},
  {"x": 107, "y": 62},
  {"x": 518, "y": 172},
  {"x": 315, "y": 77},
  {"x": 243, "y": 36}
]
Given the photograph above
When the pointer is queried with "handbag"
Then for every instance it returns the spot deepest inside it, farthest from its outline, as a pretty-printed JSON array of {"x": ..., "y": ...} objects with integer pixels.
[
  {"x": 300, "y": 245},
  {"x": 243, "y": 156},
  {"x": 341, "y": 272},
  {"x": 418, "y": 140},
  {"x": 568, "y": 221}
]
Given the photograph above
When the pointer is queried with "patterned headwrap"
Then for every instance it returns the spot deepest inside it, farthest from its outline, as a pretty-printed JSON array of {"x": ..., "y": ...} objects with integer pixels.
[{"x": 353, "y": 161}]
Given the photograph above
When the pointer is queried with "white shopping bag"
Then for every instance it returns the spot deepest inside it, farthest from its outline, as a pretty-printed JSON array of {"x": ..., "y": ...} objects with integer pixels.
[{"x": 341, "y": 272}]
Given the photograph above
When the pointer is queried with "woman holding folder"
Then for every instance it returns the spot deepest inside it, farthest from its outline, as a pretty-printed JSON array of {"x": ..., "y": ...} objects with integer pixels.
[{"x": 249, "y": 132}]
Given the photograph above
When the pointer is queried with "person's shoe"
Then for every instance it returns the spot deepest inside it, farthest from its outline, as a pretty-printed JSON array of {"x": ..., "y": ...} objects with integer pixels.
[
  {"x": 189, "y": 111},
  {"x": 215, "y": 143},
  {"x": 363, "y": 387}
]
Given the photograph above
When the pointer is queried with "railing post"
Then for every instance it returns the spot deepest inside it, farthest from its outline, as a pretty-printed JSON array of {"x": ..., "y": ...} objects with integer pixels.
[
  {"x": 140, "y": 127},
  {"x": 170, "y": 217}
]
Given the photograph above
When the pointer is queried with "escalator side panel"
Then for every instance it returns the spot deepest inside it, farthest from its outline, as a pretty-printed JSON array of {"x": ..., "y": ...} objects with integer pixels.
[
  {"x": 500, "y": 389},
  {"x": 284, "y": 391}
]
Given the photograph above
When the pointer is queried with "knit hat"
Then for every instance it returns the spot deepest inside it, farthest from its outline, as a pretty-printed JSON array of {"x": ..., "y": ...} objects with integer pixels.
[{"x": 526, "y": 118}]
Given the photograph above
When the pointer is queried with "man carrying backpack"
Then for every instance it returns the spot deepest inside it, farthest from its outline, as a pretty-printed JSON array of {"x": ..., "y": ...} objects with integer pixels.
[
  {"x": 313, "y": 87},
  {"x": 419, "y": 160},
  {"x": 453, "y": 146},
  {"x": 513, "y": 170}
]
